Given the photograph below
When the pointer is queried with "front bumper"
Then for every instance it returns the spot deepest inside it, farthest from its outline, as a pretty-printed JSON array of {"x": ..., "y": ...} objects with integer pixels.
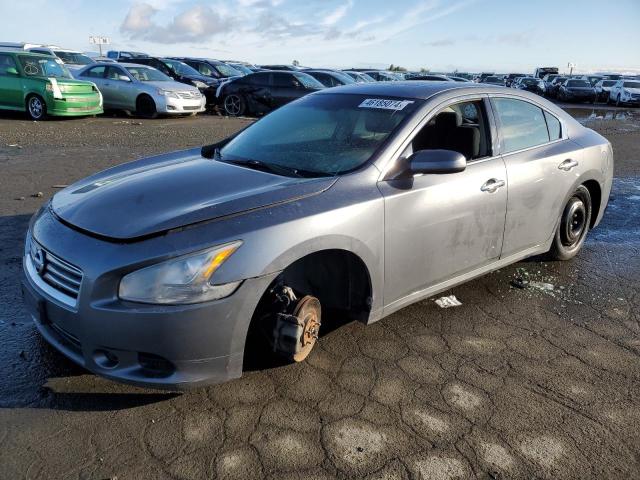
[
  {"x": 181, "y": 106},
  {"x": 168, "y": 347},
  {"x": 72, "y": 105}
]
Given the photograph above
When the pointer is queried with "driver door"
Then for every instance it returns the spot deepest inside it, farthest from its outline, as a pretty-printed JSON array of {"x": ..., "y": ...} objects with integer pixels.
[{"x": 441, "y": 226}]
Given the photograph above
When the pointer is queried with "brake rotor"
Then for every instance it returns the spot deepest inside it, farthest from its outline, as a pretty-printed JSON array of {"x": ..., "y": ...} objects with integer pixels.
[{"x": 308, "y": 313}]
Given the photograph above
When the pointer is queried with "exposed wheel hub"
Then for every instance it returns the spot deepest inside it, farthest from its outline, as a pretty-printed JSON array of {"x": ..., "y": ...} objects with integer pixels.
[{"x": 295, "y": 334}]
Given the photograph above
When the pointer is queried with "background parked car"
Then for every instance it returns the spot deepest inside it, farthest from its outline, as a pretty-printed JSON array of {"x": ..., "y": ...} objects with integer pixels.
[
  {"x": 431, "y": 78},
  {"x": 508, "y": 80},
  {"x": 531, "y": 84},
  {"x": 125, "y": 55},
  {"x": 73, "y": 59},
  {"x": 554, "y": 86},
  {"x": 592, "y": 79},
  {"x": 359, "y": 77},
  {"x": 262, "y": 92},
  {"x": 576, "y": 90},
  {"x": 287, "y": 68},
  {"x": 381, "y": 76},
  {"x": 41, "y": 85},
  {"x": 330, "y": 78},
  {"x": 625, "y": 92},
  {"x": 143, "y": 90},
  {"x": 492, "y": 80},
  {"x": 183, "y": 73},
  {"x": 459, "y": 79},
  {"x": 603, "y": 87},
  {"x": 211, "y": 68}
]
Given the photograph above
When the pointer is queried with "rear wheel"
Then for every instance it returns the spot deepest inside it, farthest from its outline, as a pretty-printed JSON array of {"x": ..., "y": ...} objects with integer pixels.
[
  {"x": 146, "y": 107},
  {"x": 36, "y": 108},
  {"x": 574, "y": 225},
  {"x": 234, "y": 105}
]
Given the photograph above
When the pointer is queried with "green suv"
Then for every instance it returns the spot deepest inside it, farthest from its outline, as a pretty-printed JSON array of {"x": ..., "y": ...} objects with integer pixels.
[{"x": 41, "y": 85}]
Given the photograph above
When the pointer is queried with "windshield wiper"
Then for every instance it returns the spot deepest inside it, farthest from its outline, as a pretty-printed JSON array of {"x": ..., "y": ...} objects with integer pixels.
[{"x": 265, "y": 167}]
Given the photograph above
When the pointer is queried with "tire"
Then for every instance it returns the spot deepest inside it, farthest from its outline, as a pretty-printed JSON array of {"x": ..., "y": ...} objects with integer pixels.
[
  {"x": 146, "y": 107},
  {"x": 234, "y": 105},
  {"x": 36, "y": 107},
  {"x": 573, "y": 226}
]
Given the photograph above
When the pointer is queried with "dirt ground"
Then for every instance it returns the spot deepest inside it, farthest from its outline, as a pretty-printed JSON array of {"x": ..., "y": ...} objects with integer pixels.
[{"x": 514, "y": 383}]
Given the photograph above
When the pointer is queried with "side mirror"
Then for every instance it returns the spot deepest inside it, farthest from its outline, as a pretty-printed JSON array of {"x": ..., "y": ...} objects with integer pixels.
[
  {"x": 436, "y": 161},
  {"x": 124, "y": 78},
  {"x": 11, "y": 71}
]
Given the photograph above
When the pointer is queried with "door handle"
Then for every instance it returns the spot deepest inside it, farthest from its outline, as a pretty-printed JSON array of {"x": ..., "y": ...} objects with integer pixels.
[
  {"x": 492, "y": 185},
  {"x": 568, "y": 164}
]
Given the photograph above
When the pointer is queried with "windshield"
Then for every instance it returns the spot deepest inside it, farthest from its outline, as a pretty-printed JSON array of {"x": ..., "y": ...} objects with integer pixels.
[
  {"x": 344, "y": 77},
  {"x": 308, "y": 81},
  {"x": 321, "y": 135},
  {"x": 180, "y": 68},
  {"x": 578, "y": 83},
  {"x": 492, "y": 80},
  {"x": 43, "y": 67},
  {"x": 529, "y": 81},
  {"x": 608, "y": 83},
  {"x": 148, "y": 74},
  {"x": 631, "y": 84},
  {"x": 227, "y": 70},
  {"x": 242, "y": 68},
  {"x": 73, "y": 58}
]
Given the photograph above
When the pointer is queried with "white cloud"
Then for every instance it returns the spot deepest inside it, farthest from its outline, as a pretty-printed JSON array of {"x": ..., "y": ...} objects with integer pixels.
[{"x": 337, "y": 14}]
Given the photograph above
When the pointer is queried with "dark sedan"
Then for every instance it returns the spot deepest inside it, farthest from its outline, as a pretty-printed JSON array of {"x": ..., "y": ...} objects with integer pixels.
[
  {"x": 183, "y": 73},
  {"x": 554, "y": 86},
  {"x": 212, "y": 68},
  {"x": 531, "y": 84},
  {"x": 261, "y": 92},
  {"x": 573, "y": 90},
  {"x": 330, "y": 78}
]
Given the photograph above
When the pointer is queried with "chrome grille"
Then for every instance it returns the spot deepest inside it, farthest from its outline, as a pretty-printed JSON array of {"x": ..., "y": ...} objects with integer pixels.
[
  {"x": 188, "y": 95},
  {"x": 59, "y": 274}
]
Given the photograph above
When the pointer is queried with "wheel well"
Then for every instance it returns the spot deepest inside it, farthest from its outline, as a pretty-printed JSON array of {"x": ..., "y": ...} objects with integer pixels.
[
  {"x": 338, "y": 278},
  {"x": 596, "y": 197},
  {"x": 143, "y": 95}
]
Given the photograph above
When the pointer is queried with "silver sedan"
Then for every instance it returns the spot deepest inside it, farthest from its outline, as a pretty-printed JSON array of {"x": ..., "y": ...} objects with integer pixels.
[
  {"x": 143, "y": 90},
  {"x": 354, "y": 201}
]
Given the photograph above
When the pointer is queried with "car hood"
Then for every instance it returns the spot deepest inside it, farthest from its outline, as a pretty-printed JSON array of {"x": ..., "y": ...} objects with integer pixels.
[{"x": 153, "y": 195}]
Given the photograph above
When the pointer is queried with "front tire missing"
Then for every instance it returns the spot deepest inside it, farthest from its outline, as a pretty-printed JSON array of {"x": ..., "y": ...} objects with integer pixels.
[
  {"x": 573, "y": 226},
  {"x": 234, "y": 105}
]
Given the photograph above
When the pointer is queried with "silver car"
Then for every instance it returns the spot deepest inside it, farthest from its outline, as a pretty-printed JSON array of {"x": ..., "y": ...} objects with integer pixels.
[
  {"x": 349, "y": 203},
  {"x": 143, "y": 90}
]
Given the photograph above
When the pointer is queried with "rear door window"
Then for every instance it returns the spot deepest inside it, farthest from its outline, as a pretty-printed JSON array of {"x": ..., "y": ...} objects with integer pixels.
[
  {"x": 522, "y": 124},
  {"x": 95, "y": 72},
  {"x": 6, "y": 62}
]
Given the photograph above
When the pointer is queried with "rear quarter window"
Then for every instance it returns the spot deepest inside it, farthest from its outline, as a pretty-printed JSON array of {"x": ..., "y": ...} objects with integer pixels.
[{"x": 553, "y": 125}]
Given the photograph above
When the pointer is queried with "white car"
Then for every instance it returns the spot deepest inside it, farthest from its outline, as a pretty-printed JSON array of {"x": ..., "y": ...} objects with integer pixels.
[
  {"x": 603, "y": 87},
  {"x": 625, "y": 92},
  {"x": 72, "y": 59}
]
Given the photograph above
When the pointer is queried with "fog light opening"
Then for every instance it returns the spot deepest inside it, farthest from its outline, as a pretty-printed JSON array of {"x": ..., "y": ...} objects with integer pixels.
[
  {"x": 105, "y": 359},
  {"x": 154, "y": 365}
]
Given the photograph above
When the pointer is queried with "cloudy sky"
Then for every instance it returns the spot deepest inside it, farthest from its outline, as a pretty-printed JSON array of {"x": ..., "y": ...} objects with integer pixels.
[{"x": 475, "y": 35}]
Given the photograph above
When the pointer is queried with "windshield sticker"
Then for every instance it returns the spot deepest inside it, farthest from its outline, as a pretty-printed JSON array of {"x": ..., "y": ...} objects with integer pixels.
[{"x": 385, "y": 104}]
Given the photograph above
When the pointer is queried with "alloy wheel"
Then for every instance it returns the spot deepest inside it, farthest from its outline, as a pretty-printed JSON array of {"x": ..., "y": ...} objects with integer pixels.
[
  {"x": 233, "y": 105},
  {"x": 36, "y": 107}
]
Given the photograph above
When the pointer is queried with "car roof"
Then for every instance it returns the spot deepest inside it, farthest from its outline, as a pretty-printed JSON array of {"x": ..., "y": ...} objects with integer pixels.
[
  {"x": 414, "y": 89},
  {"x": 25, "y": 52}
]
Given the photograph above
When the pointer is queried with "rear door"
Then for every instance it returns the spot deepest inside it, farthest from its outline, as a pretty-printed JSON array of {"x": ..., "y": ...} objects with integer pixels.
[
  {"x": 10, "y": 83},
  {"x": 541, "y": 164},
  {"x": 284, "y": 88},
  {"x": 118, "y": 89}
]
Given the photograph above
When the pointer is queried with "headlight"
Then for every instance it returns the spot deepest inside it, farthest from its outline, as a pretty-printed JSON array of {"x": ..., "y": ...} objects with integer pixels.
[
  {"x": 181, "y": 280},
  {"x": 167, "y": 93},
  {"x": 200, "y": 84}
]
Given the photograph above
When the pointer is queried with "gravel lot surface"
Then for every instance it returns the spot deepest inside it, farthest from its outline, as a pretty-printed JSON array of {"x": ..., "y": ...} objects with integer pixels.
[{"x": 513, "y": 383}]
